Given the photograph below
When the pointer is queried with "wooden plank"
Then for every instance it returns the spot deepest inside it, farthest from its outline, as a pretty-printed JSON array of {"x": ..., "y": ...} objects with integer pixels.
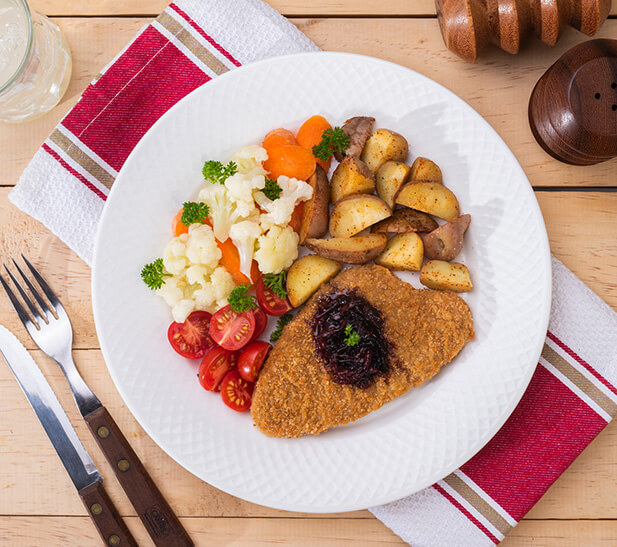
[{"x": 498, "y": 87}]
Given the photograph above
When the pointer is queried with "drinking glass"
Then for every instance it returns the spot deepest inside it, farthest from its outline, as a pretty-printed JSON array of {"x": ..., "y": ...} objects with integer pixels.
[{"x": 35, "y": 63}]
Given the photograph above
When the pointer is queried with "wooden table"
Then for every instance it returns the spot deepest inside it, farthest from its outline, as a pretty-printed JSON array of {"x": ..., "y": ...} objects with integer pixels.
[{"x": 38, "y": 505}]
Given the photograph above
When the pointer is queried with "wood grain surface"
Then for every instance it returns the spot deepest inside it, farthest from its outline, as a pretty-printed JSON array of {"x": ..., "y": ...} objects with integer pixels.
[{"x": 38, "y": 504}]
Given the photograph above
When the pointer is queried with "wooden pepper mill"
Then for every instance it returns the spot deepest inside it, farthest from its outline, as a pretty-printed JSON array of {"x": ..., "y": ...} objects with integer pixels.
[
  {"x": 573, "y": 107},
  {"x": 468, "y": 26}
]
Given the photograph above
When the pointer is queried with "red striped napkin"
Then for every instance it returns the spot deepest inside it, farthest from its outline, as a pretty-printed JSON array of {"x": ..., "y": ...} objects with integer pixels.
[{"x": 572, "y": 395}]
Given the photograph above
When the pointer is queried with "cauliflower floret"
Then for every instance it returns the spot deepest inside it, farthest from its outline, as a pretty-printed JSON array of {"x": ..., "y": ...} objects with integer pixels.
[
  {"x": 278, "y": 248},
  {"x": 211, "y": 293},
  {"x": 201, "y": 246},
  {"x": 240, "y": 188},
  {"x": 223, "y": 210},
  {"x": 174, "y": 255},
  {"x": 182, "y": 310},
  {"x": 198, "y": 275},
  {"x": 250, "y": 159},
  {"x": 172, "y": 290},
  {"x": 244, "y": 234},
  {"x": 280, "y": 210},
  {"x": 223, "y": 283}
]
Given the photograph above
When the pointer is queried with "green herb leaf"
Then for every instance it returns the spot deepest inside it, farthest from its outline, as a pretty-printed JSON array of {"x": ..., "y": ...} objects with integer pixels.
[
  {"x": 352, "y": 338},
  {"x": 280, "y": 325},
  {"x": 277, "y": 283},
  {"x": 272, "y": 190},
  {"x": 217, "y": 173},
  {"x": 194, "y": 212},
  {"x": 240, "y": 300},
  {"x": 153, "y": 274},
  {"x": 333, "y": 139}
]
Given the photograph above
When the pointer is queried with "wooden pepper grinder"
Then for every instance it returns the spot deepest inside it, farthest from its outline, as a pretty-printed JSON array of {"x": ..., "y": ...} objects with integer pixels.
[
  {"x": 468, "y": 26},
  {"x": 573, "y": 107}
]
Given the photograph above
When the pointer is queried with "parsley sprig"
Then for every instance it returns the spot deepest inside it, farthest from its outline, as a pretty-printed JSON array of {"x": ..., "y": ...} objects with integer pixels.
[
  {"x": 153, "y": 274},
  {"x": 352, "y": 338},
  {"x": 194, "y": 212},
  {"x": 240, "y": 300},
  {"x": 277, "y": 283},
  {"x": 217, "y": 173},
  {"x": 272, "y": 190},
  {"x": 332, "y": 140},
  {"x": 280, "y": 325}
]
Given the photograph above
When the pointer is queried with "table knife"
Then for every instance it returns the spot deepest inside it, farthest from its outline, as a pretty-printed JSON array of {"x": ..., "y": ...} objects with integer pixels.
[{"x": 76, "y": 460}]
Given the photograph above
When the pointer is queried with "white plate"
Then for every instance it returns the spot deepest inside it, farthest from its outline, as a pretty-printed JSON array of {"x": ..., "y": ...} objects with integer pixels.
[{"x": 411, "y": 442}]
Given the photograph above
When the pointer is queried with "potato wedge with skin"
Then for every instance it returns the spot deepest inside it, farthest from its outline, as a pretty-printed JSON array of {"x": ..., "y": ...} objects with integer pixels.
[
  {"x": 384, "y": 145},
  {"x": 306, "y": 275},
  {"x": 355, "y": 213},
  {"x": 446, "y": 242},
  {"x": 350, "y": 250},
  {"x": 358, "y": 130},
  {"x": 403, "y": 252},
  {"x": 446, "y": 276},
  {"x": 406, "y": 220},
  {"x": 316, "y": 210},
  {"x": 423, "y": 169},
  {"x": 429, "y": 197},
  {"x": 389, "y": 179},
  {"x": 351, "y": 176}
]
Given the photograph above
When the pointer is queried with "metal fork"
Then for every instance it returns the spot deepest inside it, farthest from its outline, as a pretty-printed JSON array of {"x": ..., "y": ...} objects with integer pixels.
[{"x": 50, "y": 327}]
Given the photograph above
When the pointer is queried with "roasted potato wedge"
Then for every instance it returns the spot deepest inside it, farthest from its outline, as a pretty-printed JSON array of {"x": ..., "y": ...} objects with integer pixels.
[
  {"x": 358, "y": 130},
  {"x": 355, "y": 213},
  {"x": 441, "y": 275},
  {"x": 429, "y": 197},
  {"x": 306, "y": 275},
  {"x": 403, "y": 252},
  {"x": 351, "y": 250},
  {"x": 389, "y": 179},
  {"x": 406, "y": 220},
  {"x": 446, "y": 242},
  {"x": 423, "y": 169},
  {"x": 351, "y": 176},
  {"x": 384, "y": 145},
  {"x": 315, "y": 211}
]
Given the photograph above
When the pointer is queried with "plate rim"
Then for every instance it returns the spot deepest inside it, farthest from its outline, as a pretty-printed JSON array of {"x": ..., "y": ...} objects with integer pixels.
[{"x": 473, "y": 449}]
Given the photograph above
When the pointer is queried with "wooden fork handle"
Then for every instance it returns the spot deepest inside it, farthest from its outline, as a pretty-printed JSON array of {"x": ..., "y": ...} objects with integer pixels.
[
  {"x": 110, "y": 526},
  {"x": 158, "y": 518}
]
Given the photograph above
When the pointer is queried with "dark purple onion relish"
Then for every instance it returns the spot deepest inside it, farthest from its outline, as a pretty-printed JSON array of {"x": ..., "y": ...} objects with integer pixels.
[{"x": 356, "y": 365}]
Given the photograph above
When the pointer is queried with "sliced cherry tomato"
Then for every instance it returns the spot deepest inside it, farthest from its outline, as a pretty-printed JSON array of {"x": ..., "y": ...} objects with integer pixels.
[
  {"x": 231, "y": 329},
  {"x": 191, "y": 339},
  {"x": 252, "y": 359},
  {"x": 261, "y": 320},
  {"x": 236, "y": 392},
  {"x": 270, "y": 302},
  {"x": 214, "y": 366}
]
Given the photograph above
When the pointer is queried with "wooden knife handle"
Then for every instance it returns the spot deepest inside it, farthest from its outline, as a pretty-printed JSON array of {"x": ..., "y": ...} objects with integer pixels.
[
  {"x": 102, "y": 511},
  {"x": 158, "y": 518}
]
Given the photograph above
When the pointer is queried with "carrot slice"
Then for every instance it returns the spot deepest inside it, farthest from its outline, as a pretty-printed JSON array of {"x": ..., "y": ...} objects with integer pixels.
[
  {"x": 310, "y": 134},
  {"x": 230, "y": 260},
  {"x": 291, "y": 161},
  {"x": 278, "y": 137},
  {"x": 177, "y": 227}
]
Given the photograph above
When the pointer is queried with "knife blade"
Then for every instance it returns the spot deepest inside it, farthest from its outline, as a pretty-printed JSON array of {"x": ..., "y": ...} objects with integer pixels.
[{"x": 76, "y": 460}]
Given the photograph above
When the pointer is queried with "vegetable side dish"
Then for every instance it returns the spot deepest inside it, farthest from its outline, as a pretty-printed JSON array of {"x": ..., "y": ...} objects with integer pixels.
[{"x": 233, "y": 261}]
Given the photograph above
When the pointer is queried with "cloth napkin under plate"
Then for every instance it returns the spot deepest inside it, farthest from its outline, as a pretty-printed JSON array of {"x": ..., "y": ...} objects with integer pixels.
[{"x": 573, "y": 393}]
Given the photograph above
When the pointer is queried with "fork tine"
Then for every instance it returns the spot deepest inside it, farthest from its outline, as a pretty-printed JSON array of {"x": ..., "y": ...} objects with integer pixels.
[
  {"x": 21, "y": 312},
  {"x": 43, "y": 305},
  {"x": 24, "y": 295},
  {"x": 43, "y": 284}
]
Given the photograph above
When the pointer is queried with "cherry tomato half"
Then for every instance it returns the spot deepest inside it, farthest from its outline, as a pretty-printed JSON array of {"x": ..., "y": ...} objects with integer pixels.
[
  {"x": 236, "y": 392},
  {"x": 191, "y": 339},
  {"x": 252, "y": 359},
  {"x": 216, "y": 363},
  {"x": 269, "y": 301},
  {"x": 231, "y": 329},
  {"x": 261, "y": 320}
]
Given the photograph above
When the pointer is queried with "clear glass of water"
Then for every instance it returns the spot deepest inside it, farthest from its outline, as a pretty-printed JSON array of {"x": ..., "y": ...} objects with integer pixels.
[{"x": 35, "y": 63}]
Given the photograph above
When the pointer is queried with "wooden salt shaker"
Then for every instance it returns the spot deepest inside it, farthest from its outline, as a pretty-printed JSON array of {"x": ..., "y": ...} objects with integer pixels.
[{"x": 573, "y": 107}]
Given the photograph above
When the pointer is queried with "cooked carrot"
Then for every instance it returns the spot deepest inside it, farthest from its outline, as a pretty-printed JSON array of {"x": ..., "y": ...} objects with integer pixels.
[
  {"x": 291, "y": 161},
  {"x": 278, "y": 137},
  {"x": 177, "y": 227},
  {"x": 231, "y": 262},
  {"x": 310, "y": 134}
]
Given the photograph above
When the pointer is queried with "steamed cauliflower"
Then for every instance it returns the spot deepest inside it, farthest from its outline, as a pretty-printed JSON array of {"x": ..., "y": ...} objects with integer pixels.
[
  {"x": 280, "y": 210},
  {"x": 240, "y": 188},
  {"x": 201, "y": 246},
  {"x": 223, "y": 211},
  {"x": 174, "y": 255},
  {"x": 250, "y": 160},
  {"x": 278, "y": 248},
  {"x": 244, "y": 235}
]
